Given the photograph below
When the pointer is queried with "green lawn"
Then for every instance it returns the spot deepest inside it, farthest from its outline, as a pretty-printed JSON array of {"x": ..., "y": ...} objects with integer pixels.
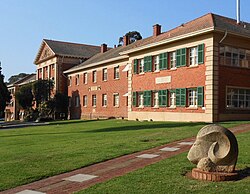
[
  {"x": 167, "y": 177},
  {"x": 33, "y": 153}
]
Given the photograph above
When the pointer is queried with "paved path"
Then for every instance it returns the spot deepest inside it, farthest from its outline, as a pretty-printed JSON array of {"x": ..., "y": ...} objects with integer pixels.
[
  {"x": 14, "y": 125},
  {"x": 85, "y": 177}
]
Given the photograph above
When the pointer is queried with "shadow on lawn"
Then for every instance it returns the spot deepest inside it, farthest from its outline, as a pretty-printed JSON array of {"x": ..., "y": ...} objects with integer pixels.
[
  {"x": 244, "y": 173},
  {"x": 146, "y": 126}
]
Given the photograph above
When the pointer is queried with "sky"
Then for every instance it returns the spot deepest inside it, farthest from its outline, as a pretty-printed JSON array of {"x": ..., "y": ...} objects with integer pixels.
[{"x": 24, "y": 23}]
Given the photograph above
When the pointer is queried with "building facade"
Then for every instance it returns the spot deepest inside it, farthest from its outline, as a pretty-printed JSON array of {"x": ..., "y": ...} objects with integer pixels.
[{"x": 198, "y": 71}]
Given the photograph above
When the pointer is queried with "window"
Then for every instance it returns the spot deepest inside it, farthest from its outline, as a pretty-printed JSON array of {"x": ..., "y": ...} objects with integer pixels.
[
  {"x": 85, "y": 78},
  {"x": 172, "y": 98},
  {"x": 156, "y": 99},
  {"x": 104, "y": 100},
  {"x": 234, "y": 57},
  {"x": 134, "y": 100},
  {"x": 77, "y": 101},
  {"x": 52, "y": 66},
  {"x": 85, "y": 100},
  {"x": 163, "y": 97},
  {"x": 147, "y": 64},
  {"x": 105, "y": 74},
  {"x": 77, "y": 79},
  {"x": 70, "y": 81},
  {"x": 116, "y": 72},
  {"x": 141, "y": 66},
  {"x": 116, "y": 100},
  {"x": 94, "y": 76},
  {"x": 140, "y": 99},
  {"x": 156, "y": 63},
  {"x": 70, "y": 102},
  {"x": 192, "y": 97},
  {"x": 238, "y": 98},
  {"x": 94, "y": 100},
  {"x": 173, "y": 60},
  {"x": 180, "y": 95},
  {"x": 181, "y": 57},
  {"x": 193, "y": 56}
]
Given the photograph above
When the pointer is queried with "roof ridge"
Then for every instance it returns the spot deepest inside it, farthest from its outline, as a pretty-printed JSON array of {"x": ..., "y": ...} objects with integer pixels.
[{"x": 65, "y": 42}]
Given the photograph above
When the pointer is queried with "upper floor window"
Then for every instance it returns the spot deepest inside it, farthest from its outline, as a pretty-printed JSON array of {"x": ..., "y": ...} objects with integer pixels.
[
  {"x": 116, "y": 72},
  {"x": 141, "y": 66},
  {"x": 105, "y": 74},
  {"x": 156, "y": 63},
  {"x": 234, "y": 57},
  {"x": 173, "y": 60},
  {"x": 85, "y": 78},
  {"x": 77, "y": 79},
  {"x": 238, "y": 98},
  {"x": 94, "y": 74},
  {"x": 193, "y": 56},
  {"x": 70, "y": 81}
]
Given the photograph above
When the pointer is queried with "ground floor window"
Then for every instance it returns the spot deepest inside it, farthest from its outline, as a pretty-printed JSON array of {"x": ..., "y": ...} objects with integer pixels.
[
  {"x": 238, "y": 98},
  {"x": 116, "y": 100},
  {"x": 172, "y": 98},
  {"x": 192, "y": 97},
  {"x": 85, "y": 100},
  {"x": 77, "y": 101},
  {"x": 156, "y": 99},
  {"x": 140, "y": 99},
  {"x": 104, "y": 100},
  {"x": 94, "y": 100}
]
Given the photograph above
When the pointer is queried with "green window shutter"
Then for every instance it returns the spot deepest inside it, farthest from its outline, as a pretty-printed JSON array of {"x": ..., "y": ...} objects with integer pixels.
[
  {"x": 183, "y": 97},
  {"x": 178, "y": 58},
  {"x": 145, "y": 67},
  {"x": 201, "y": 54},
  {"x": 134, "y": 99},
  {"x": 200, "y": 96},
  {"x": 147, "y": 98},
  {"x": 178, "y": 97},
  {"x": 150, "y": 63},
  {"x": 163, "y": 97},
  {"x": 163, "y": 61},
  {"x": 135, "y": 66},
  {"x": 183, "y": 57}
]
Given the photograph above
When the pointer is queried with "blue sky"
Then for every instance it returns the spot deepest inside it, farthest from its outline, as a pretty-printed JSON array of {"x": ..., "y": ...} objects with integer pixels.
[{"x": 24, "y": 23}]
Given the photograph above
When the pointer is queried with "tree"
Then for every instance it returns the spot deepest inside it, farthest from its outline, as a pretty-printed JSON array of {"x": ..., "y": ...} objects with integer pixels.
[
  {"x": 4, "y": 93},
  {"x": 24, "y": 97},
  {"x": 133, "y": 36},
  {"x": 15, "y": 78},
  {"x": 42, "y": 90}
]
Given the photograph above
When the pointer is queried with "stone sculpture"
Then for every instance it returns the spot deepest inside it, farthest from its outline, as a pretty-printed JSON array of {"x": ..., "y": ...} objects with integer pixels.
[{"x": 215, "y": 150}]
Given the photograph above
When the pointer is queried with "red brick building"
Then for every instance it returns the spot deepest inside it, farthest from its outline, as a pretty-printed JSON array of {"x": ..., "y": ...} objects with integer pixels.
[
  {"x": 54, "y": 57},
  {"x": 198, "y": 71}
]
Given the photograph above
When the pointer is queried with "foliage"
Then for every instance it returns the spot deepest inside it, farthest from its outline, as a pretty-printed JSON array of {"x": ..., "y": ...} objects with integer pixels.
[
  {"x": 32, "y": 153},
  {"x": 133, "y": 36},
  {"x": 25, "y": 97},
  {"x": 15, "y": 78},
  {"x": 61, "y": 103},
  {"x": 42, "y": 90},
  {"x": 4, "y": 94}
]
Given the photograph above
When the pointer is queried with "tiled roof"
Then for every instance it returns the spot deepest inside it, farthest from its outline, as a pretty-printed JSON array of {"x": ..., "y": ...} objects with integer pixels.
[
  {"x": 208, "y": 21},
  {"x": 25, "y": 80}
]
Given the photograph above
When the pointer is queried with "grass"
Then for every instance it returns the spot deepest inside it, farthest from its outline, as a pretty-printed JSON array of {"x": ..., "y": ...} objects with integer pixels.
[
  {"x": 167, "y": 177},
  {"x": 33, "y": 153}
]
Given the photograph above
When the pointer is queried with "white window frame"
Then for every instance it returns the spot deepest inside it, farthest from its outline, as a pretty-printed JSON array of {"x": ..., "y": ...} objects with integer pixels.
[
  {"x": 192, "y": 97},
  {"x": 173, "y": 60},
  {"x": 156, "y": 99},
  {"x": 104, "y": 74},
  {"x": 94, "y": 74},
  {"x": 94, "y": 100},
  {"x": 116, "y": 72},
  {"x": 193, "y": 56},
  {"x": 141, "y": 66},
  {"x": 237, "y": 98},
  {"x": 156, "y": 63},
  {"x": 172, "y": 99},
  {"x": 116, "y": 99},
  {"x": 104, "y": 100},
  {"x": 85, "y": 78},
  {"x": 140, "y": 100},
  {"x": 70, "y": 81},
  {"x": 77, "y": 77},
  {"x": 85, "y": 100}
]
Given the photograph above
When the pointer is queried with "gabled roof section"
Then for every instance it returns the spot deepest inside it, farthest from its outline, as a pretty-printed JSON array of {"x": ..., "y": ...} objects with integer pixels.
[
  {"x": 204, "y": 24},
  {"x": 27, "y": 79},
  {"x": 67, "y": 49}
]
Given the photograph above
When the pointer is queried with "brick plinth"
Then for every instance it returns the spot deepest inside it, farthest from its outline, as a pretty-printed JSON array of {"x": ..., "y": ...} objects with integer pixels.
[{"x": 213, "y": 176}]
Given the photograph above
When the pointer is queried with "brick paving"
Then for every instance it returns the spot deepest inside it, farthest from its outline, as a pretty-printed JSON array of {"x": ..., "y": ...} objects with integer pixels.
[{"x": 101, "y": 172}]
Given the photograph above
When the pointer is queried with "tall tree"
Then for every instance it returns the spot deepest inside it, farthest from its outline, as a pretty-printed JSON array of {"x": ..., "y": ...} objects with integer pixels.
[
  {"x": 24, "y": 97},
  {"x": 15, "y": 78},
  {"x": 133, "y": 36},
  {"x": 42, "y": 90},
  {"x": 4, "y": 93}
]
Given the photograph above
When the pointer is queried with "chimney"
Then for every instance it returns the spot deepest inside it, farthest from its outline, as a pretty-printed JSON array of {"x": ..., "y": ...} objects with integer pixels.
[
  {"x": 157, "y": 29},
  {"x": 103, "y": 48},
  {"x": 238, "y": 11},
  {"x": 125, "y": 40}
]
